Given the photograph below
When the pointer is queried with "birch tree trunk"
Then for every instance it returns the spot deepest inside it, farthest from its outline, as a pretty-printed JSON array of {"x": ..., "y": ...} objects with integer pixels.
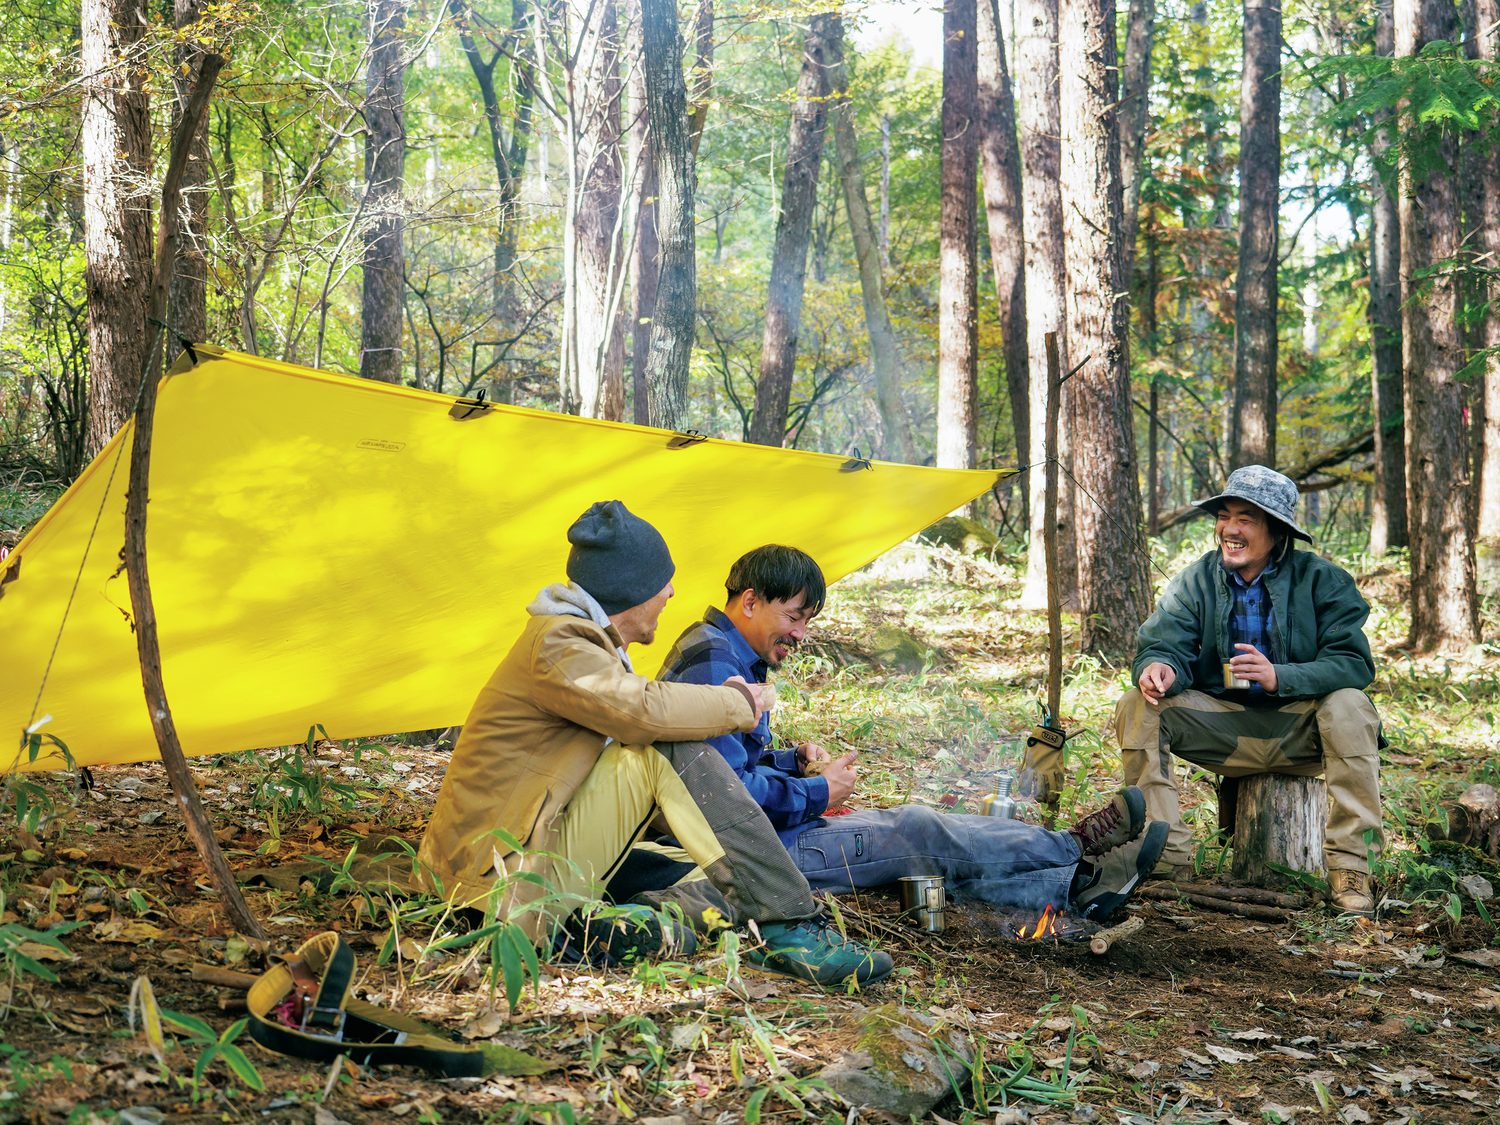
[
  {"x": 1001, "y": 152},
  {"x": 672, "y": 327},
  {"x": 646, "y": 246},
  {"x": 385, "y": 163},
  {"x": 799, "y": 195},
  {"x": 958, "y": 329},
  {"x": 1040, "y": 122},
  {"x": 593, "y": 343},
  {"x": 885, "y": 360},
  {"x": 1252, "y": 421},
  {"x": 1388, "y": 515},
  {"x": 1113, "y": 590},
  {"x": 116, "y": 211},
  {"x": 1444, "y": 608},
  {"x": 1488, "y": 523},
  {"x": 187, "y": 301},
  {"x": 1135, "y": 112}
]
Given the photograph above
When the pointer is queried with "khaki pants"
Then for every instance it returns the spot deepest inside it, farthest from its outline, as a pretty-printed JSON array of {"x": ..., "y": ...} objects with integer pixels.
[
  {"x": 744, "y": 872},
  {"x": 1336, "y": 736}
]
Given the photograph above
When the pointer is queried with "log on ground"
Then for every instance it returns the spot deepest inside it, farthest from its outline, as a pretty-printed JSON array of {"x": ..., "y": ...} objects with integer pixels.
[{"x": 1279, "y": 822}]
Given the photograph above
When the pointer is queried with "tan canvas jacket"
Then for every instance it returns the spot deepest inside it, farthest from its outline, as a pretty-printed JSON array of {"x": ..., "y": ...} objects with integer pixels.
[{"x": 534, "y": 734}]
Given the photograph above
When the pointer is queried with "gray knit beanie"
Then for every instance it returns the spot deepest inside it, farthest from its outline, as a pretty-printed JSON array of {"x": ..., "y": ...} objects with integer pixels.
[{"x": 619, "y": 558}]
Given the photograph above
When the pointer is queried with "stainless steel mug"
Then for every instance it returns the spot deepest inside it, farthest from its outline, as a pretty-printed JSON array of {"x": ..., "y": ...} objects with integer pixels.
[{"x": 924, "y": 901}]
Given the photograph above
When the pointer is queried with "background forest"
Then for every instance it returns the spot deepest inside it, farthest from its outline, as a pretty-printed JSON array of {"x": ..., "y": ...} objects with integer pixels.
[{"x": 1246, "y": 223}]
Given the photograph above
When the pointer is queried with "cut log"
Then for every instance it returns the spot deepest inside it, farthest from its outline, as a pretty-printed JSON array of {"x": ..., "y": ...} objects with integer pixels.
[
  {"x": 1474, "y": 819},
  {"x": 1279, "y": 819}
]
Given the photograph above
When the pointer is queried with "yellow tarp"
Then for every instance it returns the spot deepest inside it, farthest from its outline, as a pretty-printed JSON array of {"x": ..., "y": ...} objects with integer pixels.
[{"x": 329, "y": 550}]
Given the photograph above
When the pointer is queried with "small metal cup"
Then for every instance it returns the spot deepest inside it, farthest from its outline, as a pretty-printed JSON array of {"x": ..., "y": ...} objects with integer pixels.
[
  {"x": 924, "y": 901},
  {"x": 1233, "y": 681}
]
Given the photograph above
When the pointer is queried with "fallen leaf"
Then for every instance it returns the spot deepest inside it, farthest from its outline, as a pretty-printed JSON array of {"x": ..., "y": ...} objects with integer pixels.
[
  {"x": 1253, "y": 1034},
  {"x": 1426, "y": 997},
  {"x": 39, "y": 952},
  {"x": 127, "y": 931},
  {"x": 1484, "y": 958},
  {"x": 1229, "y": 1054},
  {"x": 1143, "y": 1070},
  {"x": 485, "y": 1025},
  {"x": 1292, "y": 1052}
]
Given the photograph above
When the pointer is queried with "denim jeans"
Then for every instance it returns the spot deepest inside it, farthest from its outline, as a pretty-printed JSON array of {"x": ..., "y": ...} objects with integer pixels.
[{"x": 1006, "y": 863}]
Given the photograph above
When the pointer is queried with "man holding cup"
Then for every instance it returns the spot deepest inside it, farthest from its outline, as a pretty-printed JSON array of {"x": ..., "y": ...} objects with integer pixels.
[{"x": 1254, "y": 662}]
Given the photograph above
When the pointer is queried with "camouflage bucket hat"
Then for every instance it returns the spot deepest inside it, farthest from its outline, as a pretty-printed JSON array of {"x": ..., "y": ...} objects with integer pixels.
[{"x": 1268, "y": 490}]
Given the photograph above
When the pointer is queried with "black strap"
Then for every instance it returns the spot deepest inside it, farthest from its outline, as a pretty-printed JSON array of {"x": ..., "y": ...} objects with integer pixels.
[{"x": 337, "y": 1024}]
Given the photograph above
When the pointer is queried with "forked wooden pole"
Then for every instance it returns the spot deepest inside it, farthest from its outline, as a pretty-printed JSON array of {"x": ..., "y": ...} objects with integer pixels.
[
  {"x": 1049, "y": 536},
  {"x": 199, "y": 830}
]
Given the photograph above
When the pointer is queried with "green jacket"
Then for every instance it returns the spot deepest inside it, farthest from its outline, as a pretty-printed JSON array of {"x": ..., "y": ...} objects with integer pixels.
[{"x": 1317, "y": 640}]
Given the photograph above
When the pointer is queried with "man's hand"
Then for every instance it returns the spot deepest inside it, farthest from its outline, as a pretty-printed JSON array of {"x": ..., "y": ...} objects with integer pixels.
[
  {"x": 1253, "y": 665},
  {"x": 840, "y": 775},
  {"x": 1156, "y": 680},
  {"x": 808, "y": 753},
  {"x": 762, "y": 696}
]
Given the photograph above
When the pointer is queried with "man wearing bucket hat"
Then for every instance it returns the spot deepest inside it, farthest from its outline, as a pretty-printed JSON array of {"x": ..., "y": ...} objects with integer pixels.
[
  {"x": 1255, "y": 661},
  {"x": 567, "y": 756}
]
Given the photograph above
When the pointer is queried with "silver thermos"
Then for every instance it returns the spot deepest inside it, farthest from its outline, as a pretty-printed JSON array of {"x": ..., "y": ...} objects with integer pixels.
[{"x": 1000, "y": 802}]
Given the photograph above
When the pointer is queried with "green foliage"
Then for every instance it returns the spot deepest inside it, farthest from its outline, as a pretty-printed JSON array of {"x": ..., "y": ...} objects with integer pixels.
[
  {"x": 16, "y": 961},
  {"x": 213, "y": 1047}
]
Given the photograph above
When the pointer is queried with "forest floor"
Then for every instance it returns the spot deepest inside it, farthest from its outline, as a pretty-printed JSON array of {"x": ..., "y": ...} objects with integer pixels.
[{"x": 1198, "y": 1017}]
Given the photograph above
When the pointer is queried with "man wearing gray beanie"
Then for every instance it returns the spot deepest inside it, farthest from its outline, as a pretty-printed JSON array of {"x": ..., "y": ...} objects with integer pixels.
[{"x": 568, "y": 756}]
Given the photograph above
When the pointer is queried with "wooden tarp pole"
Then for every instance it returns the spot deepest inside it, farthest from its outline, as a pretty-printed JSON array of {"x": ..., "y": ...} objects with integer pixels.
[
  {"x": 1049, "y": 536},
  {"x": 199, "y": 830}
]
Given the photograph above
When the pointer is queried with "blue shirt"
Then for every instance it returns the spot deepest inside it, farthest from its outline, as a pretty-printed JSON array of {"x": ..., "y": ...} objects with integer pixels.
[
  {"x": 1250, "y": 615},
  {"x": 709, "y": 653}
]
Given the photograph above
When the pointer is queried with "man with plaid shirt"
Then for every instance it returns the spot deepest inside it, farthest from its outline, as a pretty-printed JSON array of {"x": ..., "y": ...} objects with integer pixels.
[{"x": 1255, "y": 662}]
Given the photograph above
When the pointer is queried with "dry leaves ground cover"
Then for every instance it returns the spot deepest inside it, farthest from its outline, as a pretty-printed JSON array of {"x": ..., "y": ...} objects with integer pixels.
[{"x": 925, "y": 665}]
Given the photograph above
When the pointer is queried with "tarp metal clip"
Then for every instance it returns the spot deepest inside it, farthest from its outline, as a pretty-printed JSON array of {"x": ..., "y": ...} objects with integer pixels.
[
  {"x": 464, "y": 408},
  {"x": 856, "y": 463},
  {"x": 684, "y": 438}
]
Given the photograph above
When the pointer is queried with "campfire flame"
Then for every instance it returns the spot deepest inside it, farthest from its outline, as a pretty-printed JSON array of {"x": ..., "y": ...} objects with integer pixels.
[{"x": 1046, "y": 927}]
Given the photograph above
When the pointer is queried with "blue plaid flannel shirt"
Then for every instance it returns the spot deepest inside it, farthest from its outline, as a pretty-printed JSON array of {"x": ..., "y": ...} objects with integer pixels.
[
  {"x": 1250, "y": 616},
  {"x": 709, "y": 653}
]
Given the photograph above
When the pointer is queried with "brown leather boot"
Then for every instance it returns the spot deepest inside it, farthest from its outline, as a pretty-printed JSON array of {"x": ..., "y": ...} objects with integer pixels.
[{"x": 1349, "y": 891}]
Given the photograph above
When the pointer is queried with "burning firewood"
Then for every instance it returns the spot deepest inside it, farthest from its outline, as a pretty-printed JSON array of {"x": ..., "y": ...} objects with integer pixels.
[{"x": 1101, "y": 941}]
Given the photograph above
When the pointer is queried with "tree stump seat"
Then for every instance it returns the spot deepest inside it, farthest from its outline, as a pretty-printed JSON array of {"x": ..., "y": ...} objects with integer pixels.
[{"x": 1279, "y": 819}]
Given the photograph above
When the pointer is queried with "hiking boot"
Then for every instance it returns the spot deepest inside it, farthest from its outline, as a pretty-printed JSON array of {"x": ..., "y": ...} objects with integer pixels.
[
  {"x": 1115, "y": 875},
  {"x": 1113, "y": 826},
  {"x": 1350, "y": 892},
  {"x": 814, "y": 950},
  {"x": 622, "y": 935}
]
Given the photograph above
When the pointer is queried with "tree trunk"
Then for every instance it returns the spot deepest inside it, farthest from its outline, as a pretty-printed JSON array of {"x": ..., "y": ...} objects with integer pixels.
[
  {"x": 187, "y": 303},
  {"x": 508, "y": 155},
  {"x": 1388, "y": 517},
  {"x": 700, "y": 83},
  {"x": 958, "y": 328},
  {"x": 666, "y": 107},
  {"x": 593, "y": 343},
  {"x": 1001, "y": 152},
  {"x": 116, "y": 211},
  {"x": 1279, "y": 820},
  {"x": 1488, "y": 523},
  {"x": 1038, "y": 110},
  {"x": 1444, "y": 608},
  {"x": 647, "y": 245},
  {"x": 799, "y": 195},
  {"x": 895, "y": 424},
  {"x": 1252, "y": 420},
  {"x": 1114, "y": 593},
  {"x": 385, "y": 163},
  {"x": 1135, "y": 112}
]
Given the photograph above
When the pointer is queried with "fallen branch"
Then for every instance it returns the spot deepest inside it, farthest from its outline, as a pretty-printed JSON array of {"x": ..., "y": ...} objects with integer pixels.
[
  {"x": 1099, "y": 944},
  {"x": 224, "y": 978},
  {"x": 1257, "y": 895},
  {"x": 1238, "y": 909}
]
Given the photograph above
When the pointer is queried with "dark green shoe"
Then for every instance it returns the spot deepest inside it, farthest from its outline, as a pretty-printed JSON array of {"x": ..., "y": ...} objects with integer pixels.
[
  {"x": 1117, "y": 874},
  {"x": 814, "y": 950},
  {"x": 621, "y": 935}
]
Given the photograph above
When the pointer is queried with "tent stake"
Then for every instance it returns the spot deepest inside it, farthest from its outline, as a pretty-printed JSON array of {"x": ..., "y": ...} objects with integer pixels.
[{"x": 199, "y": 830}]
